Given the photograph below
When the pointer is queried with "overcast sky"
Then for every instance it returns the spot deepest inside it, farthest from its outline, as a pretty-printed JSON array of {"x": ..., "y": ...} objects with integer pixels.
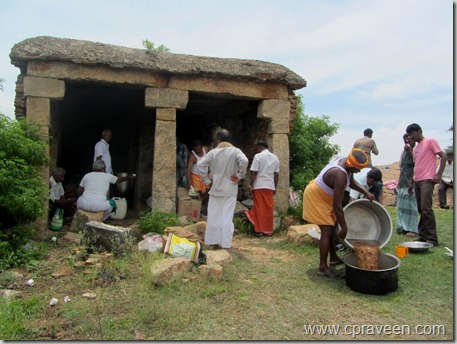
[{"x": 381, "y": 64}]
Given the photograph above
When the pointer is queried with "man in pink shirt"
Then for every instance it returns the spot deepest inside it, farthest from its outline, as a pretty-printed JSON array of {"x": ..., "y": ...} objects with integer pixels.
[{"x": 424, "y": 180}]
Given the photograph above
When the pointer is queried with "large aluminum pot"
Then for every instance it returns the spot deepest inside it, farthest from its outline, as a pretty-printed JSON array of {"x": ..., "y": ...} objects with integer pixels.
[
  {"x": 377, "y": 282},
  {"x": 125, "y": 186},
  {"x": 367, "y": 221}
]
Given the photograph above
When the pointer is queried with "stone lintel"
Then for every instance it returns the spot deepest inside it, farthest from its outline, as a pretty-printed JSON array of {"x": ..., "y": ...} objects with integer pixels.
[
  {"x": 97, "y": 73},
  {"x": 274, "y": 109},
  {"x": 233, "y": 87},
  {"x": 44, "y": 87},
  {"x": 164, "y": 169},
  {"x": 280, "y": 147},
  {"x": 166, "y": 114},
  {"x": 166, "y": 98}
]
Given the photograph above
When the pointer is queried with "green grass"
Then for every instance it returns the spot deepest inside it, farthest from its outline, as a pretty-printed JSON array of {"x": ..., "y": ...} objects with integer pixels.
[
  {"x": 268, "y": 296},
  {"x": 15, "y": 316}
]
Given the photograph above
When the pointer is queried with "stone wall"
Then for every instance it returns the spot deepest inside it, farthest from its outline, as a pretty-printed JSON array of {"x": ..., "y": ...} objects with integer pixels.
[{"x": 250, "y": 110}]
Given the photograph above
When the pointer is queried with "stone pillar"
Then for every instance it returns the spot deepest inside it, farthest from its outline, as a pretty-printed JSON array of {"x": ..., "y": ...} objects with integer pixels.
[
  {"x": 279, "y": 144},
  {"x": 277, "y": 112},
  {"x": 39, "y": 92},
  {"x": 166, "y": 101},
  {"x": 164, "y": 169},
  {"x": 39, "y": 111}
]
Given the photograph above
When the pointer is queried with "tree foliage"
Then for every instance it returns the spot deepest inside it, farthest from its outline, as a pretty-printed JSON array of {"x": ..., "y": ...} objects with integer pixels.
[
  {"x": 310, "y": 149},
  {"x": 22, "y": 190},
  {"x": 149, "y": 46}
]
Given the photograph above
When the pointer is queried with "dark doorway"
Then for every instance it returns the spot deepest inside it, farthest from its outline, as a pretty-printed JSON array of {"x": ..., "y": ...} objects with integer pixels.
[{"x": 85, "y": 112}]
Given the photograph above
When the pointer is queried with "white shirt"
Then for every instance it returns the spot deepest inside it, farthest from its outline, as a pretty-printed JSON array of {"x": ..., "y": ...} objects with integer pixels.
[
  {"x": 102, "y": 148},
  {"x": 96, "y": 185},
  {"x": 223, "y": 161},
  {"x": 56, "y": 191},
  {"x": 361, "y": 178},
  {"x": 448, "y": 173},
  {"x": 194, "y": 166},
  {"x": 265, "y": 164}
]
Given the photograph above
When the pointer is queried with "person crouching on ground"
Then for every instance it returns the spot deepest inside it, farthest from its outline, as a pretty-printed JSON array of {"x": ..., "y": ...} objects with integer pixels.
[
  {"x": 323, "y": 204},
  {"x": 94, "y": 188},
  {"x": 57, "y": 197},
  {"x": 368, "y": 178}
]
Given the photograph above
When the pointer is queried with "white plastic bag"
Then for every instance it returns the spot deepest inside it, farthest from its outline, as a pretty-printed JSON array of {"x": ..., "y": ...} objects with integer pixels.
[
  {"x": 152, "y": 242},
  {"x": 192, "y": 192}
]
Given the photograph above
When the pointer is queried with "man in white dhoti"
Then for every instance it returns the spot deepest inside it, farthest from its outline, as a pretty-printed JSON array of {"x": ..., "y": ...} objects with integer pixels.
[{"x": 227, "y": 165}]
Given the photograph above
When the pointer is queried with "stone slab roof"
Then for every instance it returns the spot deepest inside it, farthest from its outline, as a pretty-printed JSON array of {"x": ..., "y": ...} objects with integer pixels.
[{"x": 45, "y": 48}]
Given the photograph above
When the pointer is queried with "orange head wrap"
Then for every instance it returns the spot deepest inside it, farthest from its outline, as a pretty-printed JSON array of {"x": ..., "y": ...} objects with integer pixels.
[{"x": 351, "y": 160}]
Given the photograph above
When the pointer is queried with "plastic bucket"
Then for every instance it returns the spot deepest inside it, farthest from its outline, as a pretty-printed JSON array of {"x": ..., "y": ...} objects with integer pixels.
[{"x": 121, "y": 210}]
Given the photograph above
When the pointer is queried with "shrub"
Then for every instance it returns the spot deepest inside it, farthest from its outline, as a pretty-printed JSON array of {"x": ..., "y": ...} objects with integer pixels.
[
  {"x": 22, "y": 189},
  {"x": 16, "y": 251},
  {"x": 243, "y": 225},
  {"x": 296, "y": 211},
  {"x": 156, "y": 221}
]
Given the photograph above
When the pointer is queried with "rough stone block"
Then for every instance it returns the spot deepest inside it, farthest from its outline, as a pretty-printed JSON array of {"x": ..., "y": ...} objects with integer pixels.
[
  {"x": 71, "y": 238},
  {"x": 184, "y": 232},
  {"x": 81, "y": 217},
  {"x": 164, "y": 170},
  {"x": 274, "y": 109},
  {"x": 199, "y": 228},
  {"x": 162, "y": 271},
  {"x": 218, "y": 257},
  {"x": 44, "y": 87},
  {"x": 210, "y": 271},
  {"x": 166, "y": 98},
  {"x": 39, "y": 111},
  {"x": 112, "y": 238},
  {"x": 310, "y": 234},
  {"x": 279, "y": 126},
  {"x": 167, "y": 114},
  {"x": 289, "y": 221},
  {"x": 9, "y": 294}
]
